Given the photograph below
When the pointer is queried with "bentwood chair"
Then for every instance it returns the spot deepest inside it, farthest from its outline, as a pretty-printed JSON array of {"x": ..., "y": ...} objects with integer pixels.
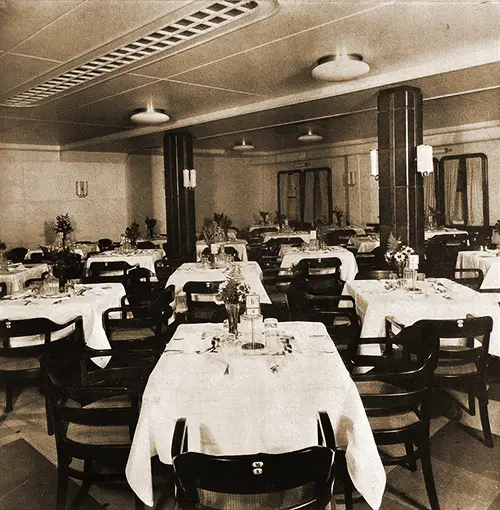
[
  {"x": 105, "y": 244},
  {"x": 94, "y": 422},
  {"x": 16, "y": 255},
  {"x": 472, "y": 278},
  {"x": 146, "y": 245},
  {"x": 23, "y": 341},
  {"x": 441, "y": 254},
  {"x": 3, "y": 289},
  {"x": 292, "y": 480},
  {"x": 109, "y": 271},
  {"x": 396, "y": 392}
]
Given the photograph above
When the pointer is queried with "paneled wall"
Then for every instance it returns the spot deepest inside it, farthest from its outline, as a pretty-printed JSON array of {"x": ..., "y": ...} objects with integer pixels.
[{"x": 35, "y": 186}]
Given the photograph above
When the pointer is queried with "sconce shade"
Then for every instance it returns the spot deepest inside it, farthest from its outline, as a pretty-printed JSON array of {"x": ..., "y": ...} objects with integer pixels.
[
  {"x": 425, "y": 164},
  {"x": 340, "y": 67},
  {"x": 374, "y": 163},
  {"x": 189, "y": 178},
  {"x": 309, "y": 137}
]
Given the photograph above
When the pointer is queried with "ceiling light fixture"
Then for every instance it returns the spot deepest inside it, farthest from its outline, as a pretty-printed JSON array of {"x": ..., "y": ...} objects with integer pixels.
[
  {"x": 340, "y": 67},
  {"x": 309, "y": 137},
  {"x": 243, "y": 146},
  {"x": 149, "y": 115}
]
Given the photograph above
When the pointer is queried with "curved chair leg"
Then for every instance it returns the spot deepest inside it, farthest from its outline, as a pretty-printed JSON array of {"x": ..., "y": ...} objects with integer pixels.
[
  {"x": 410, "y": 454},
  {"x": 62, "y": 487},
  {"x": 425, "y": 458},
  {"x": 485, "y": 419},
  {"x": 9, "y": 396},
  {"x": 472, "y": 403}
]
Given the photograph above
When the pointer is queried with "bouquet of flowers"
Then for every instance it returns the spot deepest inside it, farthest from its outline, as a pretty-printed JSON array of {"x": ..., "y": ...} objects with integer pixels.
[
  {"x": 132, "y": 233},
  {"x": 211, "y": 233},
  {"x": 224, "y": 223},
  {"x": 233, "y": 290},
  {"x": 280, "y": 219},
  {"x": 264, "y": 217},
  {"x": 339, "y": 215},
  {"x": 397, "y": 253},
  {"x": 63, "y": 226},
  {"x": 151, "y": 225}
]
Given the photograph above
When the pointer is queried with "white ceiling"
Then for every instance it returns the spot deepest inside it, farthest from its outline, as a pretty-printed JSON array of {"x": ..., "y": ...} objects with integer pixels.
[{"x": 254, "y": 81}]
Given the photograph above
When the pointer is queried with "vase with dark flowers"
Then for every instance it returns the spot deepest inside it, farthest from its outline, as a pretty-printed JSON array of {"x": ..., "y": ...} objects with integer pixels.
[
  {"x": 233, "y": 292},
  {"x": 66, "y": 265},
  {"x": 132, "y": 233},
  {"x": 151, "y": 226},
  {"x": 64, "y": 227}
]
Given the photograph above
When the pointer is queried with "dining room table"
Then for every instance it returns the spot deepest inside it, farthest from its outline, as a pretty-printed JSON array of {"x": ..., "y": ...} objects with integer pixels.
[
  {"x": 433, "y": 298},
  {"x": 488, "y": 261},
  {"x": 240, "y": 245},
  {"x": 429, "y": 233},
  {"x": 87, "y": 300},
  {"x": 290, "y": 256},
  {"x": 16, "y": 275},
  {"x": 305, "y": 236},
  {"x": 196, "y": 271},
  {"x": 135, "y": 257},
  {"x": 239, "y": 401},
  {"x": 364, "y": 243}
]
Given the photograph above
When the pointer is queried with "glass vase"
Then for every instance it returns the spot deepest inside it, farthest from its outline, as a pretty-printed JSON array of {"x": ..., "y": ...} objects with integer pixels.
[{"x": 233, "y": 316}]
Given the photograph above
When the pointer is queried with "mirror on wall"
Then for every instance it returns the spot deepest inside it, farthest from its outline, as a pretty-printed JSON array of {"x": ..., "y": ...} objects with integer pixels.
[
  {"x": 463, "y": 190},
  {"x": 305, "y": 195}
]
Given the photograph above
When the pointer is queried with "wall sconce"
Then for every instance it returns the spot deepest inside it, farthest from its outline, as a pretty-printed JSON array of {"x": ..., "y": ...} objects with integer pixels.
[
  {"x": 189, "y": 177},
  {"x": 374, "y": 163},
  {"x": 351, "y": 178},
  {"x": 425, "y": 164},
  {"x": 81, "y": 189}
]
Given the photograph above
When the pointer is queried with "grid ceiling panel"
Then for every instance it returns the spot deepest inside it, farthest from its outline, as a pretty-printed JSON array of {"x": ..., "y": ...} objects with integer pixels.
[{"x": 189, "y": 27}]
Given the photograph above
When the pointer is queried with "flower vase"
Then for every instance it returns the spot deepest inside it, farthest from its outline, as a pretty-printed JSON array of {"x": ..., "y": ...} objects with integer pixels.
[
  {"x": 233, "y": 316},
  {"x": 399, "y": 268}
]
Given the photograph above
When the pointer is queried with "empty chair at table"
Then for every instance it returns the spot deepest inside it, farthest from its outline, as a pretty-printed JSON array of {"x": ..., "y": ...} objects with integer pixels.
[
  {"x": 320, "y": 275},
  {"x": 3, "y": 289},
  {"x": 164, "y": 268},
  {"x": 16, "y": 255},
  {"x": 292, "y": 480},
  {"x": 200, "y": 300},
  {"x": 441, "y": 254},
  {"x": 374, "y": 274},
  {"x": 146, "y": 245},
  {"x": 105, "y": 244},
  {"x": 232, "y": 252},
  {"x": 339, "y": 237},
  {"x": 470, "y": 277},
  {"x": 108, "y": 271},
  {"x": 23, "y": 341}
]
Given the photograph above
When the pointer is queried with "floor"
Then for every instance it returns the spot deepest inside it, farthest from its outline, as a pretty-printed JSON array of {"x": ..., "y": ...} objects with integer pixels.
[{"x": 467, "y": 473}]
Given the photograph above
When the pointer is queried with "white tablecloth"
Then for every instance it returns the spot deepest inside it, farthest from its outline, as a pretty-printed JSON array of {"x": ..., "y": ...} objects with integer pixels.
[
  {"x": 305, "y": 236},
  {"x": 364, "y": 243},
  {"x": 430, "y": 233},
  {"x": 360, "y": 231},
  {"x": 239, "y": 245},
  {"x": 144, "y": 258},
  {"x": 15, "y": 275},
  {"x": 348, "y": 270},
  {"x": 451, "y": 301},
  {"x": 260, "y": 225},
  {"x": 487, "y": 261},
  {"x": 190, "y": 271},
  {"x": 239, "y": 404},
  {"x": 90, "y": 305}
]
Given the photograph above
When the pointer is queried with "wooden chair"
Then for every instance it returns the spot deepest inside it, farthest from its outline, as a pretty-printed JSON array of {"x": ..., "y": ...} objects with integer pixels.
[
  {"x": 23, "y": 341},
  {"x": 111, "y": 271},
  {"x": 140, "y": 287},
  {"x": 395, "y": 390},
  {"x": 3, "y": 289},
  {"x": 140, "y": 326},
  {"x": 441, "y": 254},
  {"x": 464, "y": 367},
  {"x": 200, "y": 300},
  {"x": 320, "y": 275},
  {"x": 94, "y": 422},
  {"x": 472, "y": 278},
  {"x": 374, "y": 274},
  {"x": 16, "y": 255},
  {"x": 105, "y": 244},
  {"x": 146, "y": 245},
  {"x": 299, "y": 479},
  {"x": 35, "y": 281},
  {"x": 164, "y": 268},
  {"x": 230, "y": 250},
  {"x": 339, "y": 237}
]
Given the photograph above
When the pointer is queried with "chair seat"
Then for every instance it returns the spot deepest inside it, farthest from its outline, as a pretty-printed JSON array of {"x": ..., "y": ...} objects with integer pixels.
[
  {"x": 393, "y": 421},
  {"x": 126, "y": 334},
  {"x": 15, "y": 364},
  {"x": 456, "y": 369},
  {"x": 375, "y": 387},
  {"x": 102, "y": 435}
]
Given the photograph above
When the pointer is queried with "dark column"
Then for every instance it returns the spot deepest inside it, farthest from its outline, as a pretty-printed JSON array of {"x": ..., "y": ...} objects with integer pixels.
[
  {"x": 181, "y": 218},
  {"x": 401, "y": 195}
]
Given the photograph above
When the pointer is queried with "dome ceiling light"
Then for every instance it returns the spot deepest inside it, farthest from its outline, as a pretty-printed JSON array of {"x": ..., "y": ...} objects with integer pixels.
[
  {"x": 340, "y": 67},
  {"x": 309, "y": 137},
  {"x": 243, "y": 146},
  {"x": 149, "y": 115}
]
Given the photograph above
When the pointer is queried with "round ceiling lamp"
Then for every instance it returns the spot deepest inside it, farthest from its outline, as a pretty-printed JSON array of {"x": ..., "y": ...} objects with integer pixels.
[
  {"x": 309, "y": 137},
  {"x": 243, "y": 146},
  {"x": 149, "y": 116},
  {"x": 340, "y": 67}
]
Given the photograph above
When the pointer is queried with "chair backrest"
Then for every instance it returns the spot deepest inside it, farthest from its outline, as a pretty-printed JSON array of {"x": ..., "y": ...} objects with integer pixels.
[
  {"x": 3, "y": 289},
  {"x": 105, "y": 244},
  {"x": 37, "y": 258},
  {"x": 16, "y": 255},
  {"x": 472, "y": 278},
  {"x": 374, "y": 274},
  {"x": 339, "y": 236},
  {"x": 298, "y": 479},
  {"x": 146, "y": 245},
  {"x": 231, "y": 250},
  {"x": 113, "y": 268},
  {"x": 164, "y": 268},
  {"x": 441, "y": 253},
  {"x": 474, "y": 333},
  {"x": 200, "y": 300},
  {"x": 319, "y": 275},
  {"x": 30, "y": 337}
]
